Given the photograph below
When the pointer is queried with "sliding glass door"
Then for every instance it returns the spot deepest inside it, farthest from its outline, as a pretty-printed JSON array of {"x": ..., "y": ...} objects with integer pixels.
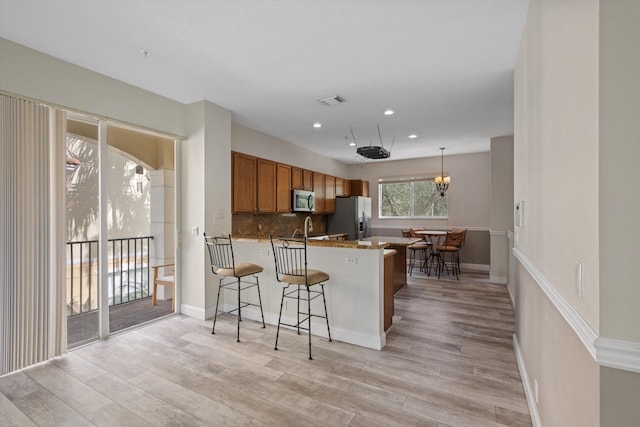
[{"x": 113, "y": 240}]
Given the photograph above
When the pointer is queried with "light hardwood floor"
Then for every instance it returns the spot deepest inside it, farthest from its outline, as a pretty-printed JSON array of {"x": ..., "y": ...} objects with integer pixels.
[{"x": 448, "y": 362}]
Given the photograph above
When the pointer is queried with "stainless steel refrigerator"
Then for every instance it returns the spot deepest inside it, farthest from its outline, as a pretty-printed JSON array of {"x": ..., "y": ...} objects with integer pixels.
[{"x": 353, "y": 216}]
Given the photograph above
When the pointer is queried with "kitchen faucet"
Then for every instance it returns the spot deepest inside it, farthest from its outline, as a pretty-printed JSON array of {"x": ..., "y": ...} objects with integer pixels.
[{"x": 308, "y": 226}]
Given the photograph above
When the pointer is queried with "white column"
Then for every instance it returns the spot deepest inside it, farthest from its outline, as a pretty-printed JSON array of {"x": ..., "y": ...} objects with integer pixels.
[
  {"x": 162, "y": 223},
  {"x": 501, "y": 214}
]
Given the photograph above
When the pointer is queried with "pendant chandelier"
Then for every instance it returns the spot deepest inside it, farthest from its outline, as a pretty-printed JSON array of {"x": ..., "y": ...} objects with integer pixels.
[{"x": 442, "y": 182}]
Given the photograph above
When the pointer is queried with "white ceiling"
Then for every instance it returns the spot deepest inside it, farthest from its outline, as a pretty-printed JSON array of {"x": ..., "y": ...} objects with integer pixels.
[{"x": 444, "y": 66}]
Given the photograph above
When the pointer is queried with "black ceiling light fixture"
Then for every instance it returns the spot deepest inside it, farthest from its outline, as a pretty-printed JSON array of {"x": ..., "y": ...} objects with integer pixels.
[{"x": 375, "y": 152}]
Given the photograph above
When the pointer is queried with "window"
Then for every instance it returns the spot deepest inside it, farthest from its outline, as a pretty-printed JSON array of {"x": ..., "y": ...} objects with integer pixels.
[{"x": 410, "y": 197}]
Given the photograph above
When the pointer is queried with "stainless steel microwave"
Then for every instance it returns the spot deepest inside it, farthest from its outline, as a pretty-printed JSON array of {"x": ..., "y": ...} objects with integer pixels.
[{"x": 303, "y": 201}]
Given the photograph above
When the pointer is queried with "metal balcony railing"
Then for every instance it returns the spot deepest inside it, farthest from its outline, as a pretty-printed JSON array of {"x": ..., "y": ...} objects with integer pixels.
[{"x": 128, "y": 273}]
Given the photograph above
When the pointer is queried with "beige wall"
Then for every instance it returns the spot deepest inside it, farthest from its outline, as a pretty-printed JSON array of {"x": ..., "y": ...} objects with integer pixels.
[
  {"x": 576, "y": 124},
  {"x": 470, "y": 182},
  {"x": 566, "y": 374},
  {"x": 619, "y": 171},
  {"x": 619, "y": 193},
  {"x": 501, "y": 207},
  {"x": 556, "y": 147},
  {"x": 556, "y": 175},
  {"x": 620, "y": 391}
]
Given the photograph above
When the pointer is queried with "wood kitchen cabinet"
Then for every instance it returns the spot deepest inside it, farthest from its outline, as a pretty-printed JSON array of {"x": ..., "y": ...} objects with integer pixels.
[
  {"x": 329, "y": 194},
  {"x": 307, "y": 180},
  {"x": 347, "y": 188},
  {"x": 266, "y": 185},
  {"x": 244, "y": 183},
  {"x": 296, "y": 177},
  {"x": 359, "y": 187},
  {"x": 301, "y": 179},
  {"x": 340, "y": 187},
  {"x": 318, "y": 189},
  {"x": 283, "y": 188}
]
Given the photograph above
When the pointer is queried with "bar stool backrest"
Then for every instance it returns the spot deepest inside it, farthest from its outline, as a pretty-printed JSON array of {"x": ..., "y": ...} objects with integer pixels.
[
  {"x": 220, "y": 253},
  {"x": 290, "y": 256},
  {"x": 454, "y": 239}
]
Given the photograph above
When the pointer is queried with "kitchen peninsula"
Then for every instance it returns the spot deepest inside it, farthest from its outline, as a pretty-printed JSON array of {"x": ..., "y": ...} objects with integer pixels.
[{"x": 355, "y": 293}]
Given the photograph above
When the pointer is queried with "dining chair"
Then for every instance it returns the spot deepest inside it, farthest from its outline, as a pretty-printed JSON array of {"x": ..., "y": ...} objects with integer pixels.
[
  {"x": 449, "y": 253},
  {"x": 165, "y": 278},
  {"x": 423, "y": 247},
  {"x": 223, "y": 264},
  {"x": 292, "y": 269}
]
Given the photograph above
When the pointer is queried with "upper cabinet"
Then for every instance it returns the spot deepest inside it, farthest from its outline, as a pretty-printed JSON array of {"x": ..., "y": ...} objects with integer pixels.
[
  {"x": 359, "y": 187},
  {"x": 301, "y": 179},
  {"x": 283, "y": 188},
  {"x": 259, "y": 185},
  {"x": 318, "y": 189},
  {"x": 329, "y": 194},
  {"x": 266, "y": 186},
  {"x": 244, "y": 183},
  {"x": 342, "y": 187}
]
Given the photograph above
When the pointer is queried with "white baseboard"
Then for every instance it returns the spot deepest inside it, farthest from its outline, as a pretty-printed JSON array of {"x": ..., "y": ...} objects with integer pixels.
[
  {"x": 512, "y": 297},
  {"x": 475, "y": 267},
  {"x": 498, "y": 280},
  {"x": 318, "y": 328},
  {"x": 528, "y": 390},
  {"x": 191, "y": 311}
]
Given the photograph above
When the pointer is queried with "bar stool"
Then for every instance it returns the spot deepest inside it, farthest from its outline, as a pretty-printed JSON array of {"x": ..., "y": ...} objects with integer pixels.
[
  {"x": 290, "y": 256},
  {"x": 449, "y": 253},
  {"x": 223, "y": 264}
]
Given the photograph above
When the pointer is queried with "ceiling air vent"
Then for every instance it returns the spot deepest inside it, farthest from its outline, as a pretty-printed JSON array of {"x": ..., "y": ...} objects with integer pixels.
[{"x": 332, "y": 100}]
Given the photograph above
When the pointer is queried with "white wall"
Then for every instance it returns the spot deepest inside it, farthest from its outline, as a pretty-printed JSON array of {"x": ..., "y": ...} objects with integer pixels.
[
  {"x": 556, "y": 175},
  {"x": 249, "y": 141},
  {"x": 29, "y": 73}
]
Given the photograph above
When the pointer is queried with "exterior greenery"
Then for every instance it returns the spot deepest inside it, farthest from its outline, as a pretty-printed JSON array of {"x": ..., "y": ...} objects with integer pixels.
[{"x": 410, "y": 197}]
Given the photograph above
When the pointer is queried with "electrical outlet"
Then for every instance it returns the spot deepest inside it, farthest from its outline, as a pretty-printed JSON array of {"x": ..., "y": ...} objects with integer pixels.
[
  {"x": 535, "y": 389},
  {"x": 194, "y": 231},
  {"x": 578, "y": 278},
  {"x": 264, "y": 252},
  {"x": 352, "y": 260}
]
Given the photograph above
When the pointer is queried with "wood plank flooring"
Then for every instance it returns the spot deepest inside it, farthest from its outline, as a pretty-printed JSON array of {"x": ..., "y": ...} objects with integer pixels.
[{"x": 448, "y": 362}]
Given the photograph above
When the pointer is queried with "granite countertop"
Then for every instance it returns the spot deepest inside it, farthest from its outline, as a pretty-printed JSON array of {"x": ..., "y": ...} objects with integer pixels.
[
  {"x": 395, "y": 241},
  {"x": 368, "y": 243}
]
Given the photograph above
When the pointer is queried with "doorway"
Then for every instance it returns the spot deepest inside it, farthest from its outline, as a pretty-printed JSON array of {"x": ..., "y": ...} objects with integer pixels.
[{"x": 127, "y": 196}]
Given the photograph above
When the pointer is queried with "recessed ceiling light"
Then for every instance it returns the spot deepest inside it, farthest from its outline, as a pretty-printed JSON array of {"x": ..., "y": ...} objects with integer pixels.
[
  {"x": 388, "y": 112},
  {"x": 317, "y": 125},
  {"x": 352, "y": 144},
  {"x": 413, "y": 136},
  {"x": 145, "y": 53}
]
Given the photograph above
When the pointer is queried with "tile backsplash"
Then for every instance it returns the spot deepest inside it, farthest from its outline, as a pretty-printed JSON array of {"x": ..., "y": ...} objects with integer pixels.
[{"x": 253, "y": 225}]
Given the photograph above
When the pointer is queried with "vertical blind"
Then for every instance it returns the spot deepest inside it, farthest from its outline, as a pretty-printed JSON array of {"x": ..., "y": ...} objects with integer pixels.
[{"x": 32, "y": 312}]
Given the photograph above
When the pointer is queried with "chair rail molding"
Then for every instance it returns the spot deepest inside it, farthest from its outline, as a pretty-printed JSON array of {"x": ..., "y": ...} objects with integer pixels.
[
  {"x": 583, "y": 330},
  {"x": 618, "y": 354},
  {"x": 609, "y": 352}
]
